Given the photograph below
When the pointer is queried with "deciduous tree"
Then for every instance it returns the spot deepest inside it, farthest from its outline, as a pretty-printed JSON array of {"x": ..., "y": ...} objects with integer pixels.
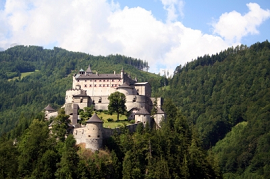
[{"x": 117, "y": 103}]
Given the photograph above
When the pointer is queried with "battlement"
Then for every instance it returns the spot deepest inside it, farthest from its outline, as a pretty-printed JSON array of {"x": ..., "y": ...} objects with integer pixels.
[{"x": 74, "y": 89}]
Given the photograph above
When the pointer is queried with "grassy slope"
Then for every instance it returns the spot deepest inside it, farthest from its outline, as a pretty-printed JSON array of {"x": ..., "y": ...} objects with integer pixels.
[
  {"x": 113, "y": 124},
  {"x": 23, "y": 75}
]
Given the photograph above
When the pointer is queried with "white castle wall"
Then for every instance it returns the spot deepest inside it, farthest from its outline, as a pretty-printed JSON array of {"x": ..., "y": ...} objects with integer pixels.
[
  {"x": 143, "y": 118},
  {"x": 98, "y": 87},
  {"x": 79, "y": 135},
  {"x": 135, "y": 101},
  {"x": 159, "y": 101},
  {"x": 127, "y": 91},
  {"x": 70, "y": 93},
  {"x": 158, "y": 118},
  {"x": 48, "y": 114}
]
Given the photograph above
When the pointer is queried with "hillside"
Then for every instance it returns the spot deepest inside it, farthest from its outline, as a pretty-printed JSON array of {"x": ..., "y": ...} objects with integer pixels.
[
  {"x": 220, "y": 91},
  {"x": 49, "y": 76},
  {"x": 224, "y": 96}
]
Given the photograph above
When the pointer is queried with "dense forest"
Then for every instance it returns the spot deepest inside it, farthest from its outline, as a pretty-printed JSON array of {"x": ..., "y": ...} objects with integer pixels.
[
  {"x": 52, "y": 70},
  {"x": 172, "y": 152},
  {"x": 218, "y": 121},
  {"x": 220, "y": 93}
]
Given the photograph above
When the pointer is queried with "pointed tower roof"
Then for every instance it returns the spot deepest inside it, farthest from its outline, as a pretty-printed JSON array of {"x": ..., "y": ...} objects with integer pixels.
[
  {"x": 49, "y": 108},
  {"x": 94, "y": 119},
  {"x": 159, "y": 111},
  {"x": 88, "y": 69},
  {"x": 142, "y": 111}
]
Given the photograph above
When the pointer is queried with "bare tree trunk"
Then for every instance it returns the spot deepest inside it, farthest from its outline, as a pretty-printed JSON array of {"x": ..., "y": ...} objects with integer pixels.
[{"x": 117, "y": 116}]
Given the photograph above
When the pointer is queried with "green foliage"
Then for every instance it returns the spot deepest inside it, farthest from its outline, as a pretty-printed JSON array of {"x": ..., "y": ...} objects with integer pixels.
[
  {"x": 218, "y": 92},
  {"x": 174, "y": 151},
  {"x": 60, "y": 125},
  {"x": 154, "y": 109},
  {"x": 31, "y": 146},
  {"x": 109, "y": 119},
  {"x": 117, "y": 103},
  {"x": 8, "y": 159},
  {"x": 86, "y": 114},
  {"x": 67, "y": 167}
]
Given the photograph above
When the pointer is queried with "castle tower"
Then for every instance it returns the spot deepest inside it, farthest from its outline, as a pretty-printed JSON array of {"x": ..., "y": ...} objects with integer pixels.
[
  {"x": 88, "y": 71},
  {"x": 143, "y": 116},
  {"x": 93, "y": 133},
  {"x": 159, "y": 116},
  {"x": 81, "y": 71},
  {"x": 50, "y": 112}
]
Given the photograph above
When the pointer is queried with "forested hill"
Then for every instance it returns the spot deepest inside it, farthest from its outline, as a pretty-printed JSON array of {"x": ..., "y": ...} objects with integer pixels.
[
  {"x": 49, "y": 76},
  {"x": 32, "y": 150},
  {"x": 220, "y": 91}
]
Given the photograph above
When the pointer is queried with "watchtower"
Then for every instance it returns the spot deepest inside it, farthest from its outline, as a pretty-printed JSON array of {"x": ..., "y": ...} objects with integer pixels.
[{"x": 93, "y": 133}]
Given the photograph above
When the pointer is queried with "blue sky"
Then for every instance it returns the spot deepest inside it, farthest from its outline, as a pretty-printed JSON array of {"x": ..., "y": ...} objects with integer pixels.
[
  {"x": 166, "y": 33},
  {"x": 200, "y": 14}
]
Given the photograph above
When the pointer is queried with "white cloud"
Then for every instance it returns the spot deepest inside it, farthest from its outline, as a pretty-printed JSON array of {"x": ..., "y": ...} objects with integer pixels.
[
  {"x": 174, "y": 8},
  {"x": 102, "y": 28},
  {"x": 233, "y": 26}
]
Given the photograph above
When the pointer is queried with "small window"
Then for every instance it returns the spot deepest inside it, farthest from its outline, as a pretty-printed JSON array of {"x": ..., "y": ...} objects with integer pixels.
[
  {"x": 78, "y": 80},
  {"x": 95, "y": 85},
  {"x": 103, "y": 80},
  {"x": 85, "y": 85},
  {"x": 99, "y": 85},
  {"x": 89, "y": 135},
  {"x": 85, "y": 80},
  {"x": 95, "y": 80},
  {"x": 99, "y": 80},
  {"x": 107, "y": 85},
  {"x": 112, "y": 80},
  {"x": 98, "y": 136},
  {"x": 90, "y": 85},
  {"x": 103, "y": 85}
]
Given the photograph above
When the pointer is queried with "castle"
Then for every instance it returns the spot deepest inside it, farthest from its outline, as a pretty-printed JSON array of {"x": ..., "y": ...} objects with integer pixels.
[{"x": 90, "y": 88}]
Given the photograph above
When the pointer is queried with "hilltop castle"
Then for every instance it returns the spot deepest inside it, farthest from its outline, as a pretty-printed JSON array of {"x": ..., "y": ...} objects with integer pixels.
[{"x": 90, "y": 88}]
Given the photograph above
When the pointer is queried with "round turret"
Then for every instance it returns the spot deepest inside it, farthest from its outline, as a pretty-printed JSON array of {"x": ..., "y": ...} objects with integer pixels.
[{"x": 94, "y": 130}]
